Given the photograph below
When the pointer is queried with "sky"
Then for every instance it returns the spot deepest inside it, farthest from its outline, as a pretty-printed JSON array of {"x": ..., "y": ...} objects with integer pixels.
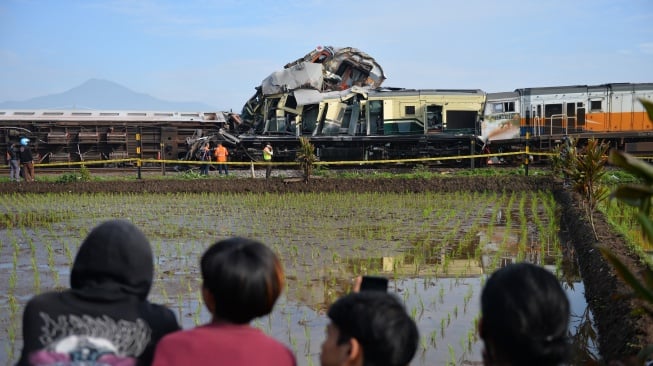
[{"x": 217, "y": 51}]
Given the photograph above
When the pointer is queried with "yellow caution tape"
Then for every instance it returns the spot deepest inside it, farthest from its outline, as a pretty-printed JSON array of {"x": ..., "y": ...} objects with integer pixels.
[{"x": 137, "y": 161}]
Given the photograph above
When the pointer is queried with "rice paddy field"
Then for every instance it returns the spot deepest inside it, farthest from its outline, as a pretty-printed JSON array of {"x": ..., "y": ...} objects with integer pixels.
[{"x": 436, "y": 248}]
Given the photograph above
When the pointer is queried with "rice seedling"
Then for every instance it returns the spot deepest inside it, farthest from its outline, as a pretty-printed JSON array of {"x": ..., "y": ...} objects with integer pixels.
[{"x": 452, "y": 356}]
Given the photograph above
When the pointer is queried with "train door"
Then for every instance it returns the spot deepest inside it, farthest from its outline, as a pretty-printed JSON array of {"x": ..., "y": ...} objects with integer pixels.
[
  {"x": 554, "y": 119},
  {"x": 350, "y": 122},
  {"x": 433, "y": 118},
  {"x": 375, "y": 117},
  {"x": 640, "y": 119},
  {"x": 620, "y": 108},
  {"x": 536, "y": 115},
  {"x": 570, "y": 113},
  {"x": 597, "y": 118},
  {"x": 575, "y": 114},
  {"x": 580, "y": 116}
]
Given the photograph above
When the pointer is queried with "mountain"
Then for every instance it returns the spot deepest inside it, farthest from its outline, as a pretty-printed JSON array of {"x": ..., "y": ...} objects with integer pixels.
[{"x": 104, "y": 95}]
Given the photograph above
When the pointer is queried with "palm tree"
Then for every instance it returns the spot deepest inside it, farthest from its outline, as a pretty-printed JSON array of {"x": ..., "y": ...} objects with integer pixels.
[{"x": 306, "y": 157}]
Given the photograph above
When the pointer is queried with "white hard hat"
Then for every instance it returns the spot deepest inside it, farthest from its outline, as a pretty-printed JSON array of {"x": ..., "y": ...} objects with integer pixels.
[{"x": 24, "y": 141}]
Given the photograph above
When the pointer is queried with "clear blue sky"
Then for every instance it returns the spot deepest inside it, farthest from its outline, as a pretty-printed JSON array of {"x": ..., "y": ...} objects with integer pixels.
[{"x": 216, "y": 52}]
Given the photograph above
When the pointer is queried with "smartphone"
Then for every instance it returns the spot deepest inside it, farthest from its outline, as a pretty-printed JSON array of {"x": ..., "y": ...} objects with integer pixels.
[{"x": 374, "y": 283}]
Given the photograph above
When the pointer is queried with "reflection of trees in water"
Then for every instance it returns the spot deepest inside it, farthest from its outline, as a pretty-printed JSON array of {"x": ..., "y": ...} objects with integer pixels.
[
  {"x": 583, "y": 340},
  {"x": 570, "y": 272}
]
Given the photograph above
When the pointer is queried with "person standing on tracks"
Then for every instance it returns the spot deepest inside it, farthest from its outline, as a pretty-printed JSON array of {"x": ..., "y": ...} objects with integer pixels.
[
  {"x": 221, "y": 154},
  {"x": 205, "y": 155},
  {"x": 26, "y": 160},
  {"x": 267, "y": 157},
  {"x": 14, "y": 163}
]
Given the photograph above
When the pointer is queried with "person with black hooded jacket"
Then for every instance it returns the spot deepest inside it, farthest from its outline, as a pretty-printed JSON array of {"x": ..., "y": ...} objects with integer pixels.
[{"x": 104, "y": 318}]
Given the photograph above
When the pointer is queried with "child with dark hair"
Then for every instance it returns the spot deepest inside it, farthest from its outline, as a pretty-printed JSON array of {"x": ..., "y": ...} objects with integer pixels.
[
  {"x": 242, "y": 280},
  {"x": 525, "y": 317},
  {"x": 370, "y": 328}
]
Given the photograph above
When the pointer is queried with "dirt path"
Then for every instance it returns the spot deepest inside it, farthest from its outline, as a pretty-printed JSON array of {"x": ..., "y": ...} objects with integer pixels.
[{"x": 622, "y": 333}]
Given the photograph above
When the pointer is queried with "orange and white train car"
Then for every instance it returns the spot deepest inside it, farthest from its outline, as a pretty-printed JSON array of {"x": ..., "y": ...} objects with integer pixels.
[{"x": 611, "y": 112}]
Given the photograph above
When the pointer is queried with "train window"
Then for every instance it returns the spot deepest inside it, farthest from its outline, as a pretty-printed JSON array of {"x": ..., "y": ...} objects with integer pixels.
[
  {"x": 409, "y": 110},
  {"x": 595, "y": 105},
  {"x": 509, "y": 106},
  {"x": 497, "y": 107},
  {"x": 571, "y": 109},
  {"x": 552, "y": 109}
]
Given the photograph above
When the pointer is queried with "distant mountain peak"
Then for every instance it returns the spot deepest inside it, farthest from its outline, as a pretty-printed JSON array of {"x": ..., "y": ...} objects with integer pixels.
[{"x": 101, "y": 94}]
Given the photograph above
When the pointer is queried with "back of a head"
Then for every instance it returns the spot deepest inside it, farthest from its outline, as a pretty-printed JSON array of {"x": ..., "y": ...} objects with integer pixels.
[
  {"x": 115, "y": 258},
  {"x": 525, "y": 316},
  {"x": 245, "y": 278},
  {"x": 380, "y": 323}
]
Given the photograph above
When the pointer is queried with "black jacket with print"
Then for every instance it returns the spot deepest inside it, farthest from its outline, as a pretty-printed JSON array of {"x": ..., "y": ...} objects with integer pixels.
[{"x": 104, "y": 318}]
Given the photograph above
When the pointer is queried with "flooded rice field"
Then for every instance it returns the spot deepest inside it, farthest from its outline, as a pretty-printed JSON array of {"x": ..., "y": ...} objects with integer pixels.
[{"x": 436, "y": 248}]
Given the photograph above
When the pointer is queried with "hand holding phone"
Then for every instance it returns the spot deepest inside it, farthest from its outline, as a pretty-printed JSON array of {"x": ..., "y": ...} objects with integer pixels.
[{"x": 374, "y": 283}]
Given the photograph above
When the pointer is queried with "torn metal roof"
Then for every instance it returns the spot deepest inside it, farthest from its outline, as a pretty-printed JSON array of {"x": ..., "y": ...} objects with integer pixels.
[{"x": 326, "y": 69}]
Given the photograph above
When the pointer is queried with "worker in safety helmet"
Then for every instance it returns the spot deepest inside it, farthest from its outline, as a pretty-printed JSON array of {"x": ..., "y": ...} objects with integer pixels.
[{"x": 26, "y": 160}]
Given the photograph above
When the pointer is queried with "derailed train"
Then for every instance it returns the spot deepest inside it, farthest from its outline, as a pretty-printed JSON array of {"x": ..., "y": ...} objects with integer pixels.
[{"x": 335, "y": 97}]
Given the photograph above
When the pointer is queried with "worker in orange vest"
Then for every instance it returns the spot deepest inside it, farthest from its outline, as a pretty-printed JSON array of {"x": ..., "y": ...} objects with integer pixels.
[{"x": 221, "y": 154}]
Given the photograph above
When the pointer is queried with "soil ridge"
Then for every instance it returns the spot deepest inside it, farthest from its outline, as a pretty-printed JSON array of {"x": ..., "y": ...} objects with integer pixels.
[{"x": 622, "y": 331}]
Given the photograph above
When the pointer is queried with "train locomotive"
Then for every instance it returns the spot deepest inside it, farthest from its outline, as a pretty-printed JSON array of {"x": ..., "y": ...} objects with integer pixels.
[
  {"x": 612, "y": 113},
  {"x": 335, "y": 97}
]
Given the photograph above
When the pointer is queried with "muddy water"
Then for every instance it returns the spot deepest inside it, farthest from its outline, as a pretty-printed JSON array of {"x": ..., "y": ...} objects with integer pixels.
[{"x": 437, "y": 250}]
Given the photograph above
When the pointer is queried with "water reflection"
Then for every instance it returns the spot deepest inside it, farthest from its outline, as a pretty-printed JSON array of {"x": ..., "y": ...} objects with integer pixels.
[{"x": 440, "y": 285}]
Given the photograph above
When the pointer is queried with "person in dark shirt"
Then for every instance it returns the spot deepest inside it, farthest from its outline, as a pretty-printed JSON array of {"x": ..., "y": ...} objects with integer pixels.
[
  {"x": 26, "y": 160},
  {"x": 104, "y": 318},
  {"x": 14, "y": 162}
]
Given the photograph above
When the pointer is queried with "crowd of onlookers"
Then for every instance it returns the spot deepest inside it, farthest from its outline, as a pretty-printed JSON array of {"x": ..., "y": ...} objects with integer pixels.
[{"x": 104, "y": 318}]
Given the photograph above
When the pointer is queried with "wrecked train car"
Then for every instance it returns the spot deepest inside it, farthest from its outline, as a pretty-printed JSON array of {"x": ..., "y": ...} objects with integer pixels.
[
  {"x": 64, "y": 136},
  {"x": 322, "y": 70},
  {"x": 364, "y": 124},
  {"x": 334, "y": 96}
]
